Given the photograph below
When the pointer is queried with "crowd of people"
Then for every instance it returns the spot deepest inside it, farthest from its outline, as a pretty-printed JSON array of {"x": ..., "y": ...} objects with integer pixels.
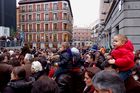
[
  {"x": 9, "y": 41},
  {"x": 71, "y": 70}
]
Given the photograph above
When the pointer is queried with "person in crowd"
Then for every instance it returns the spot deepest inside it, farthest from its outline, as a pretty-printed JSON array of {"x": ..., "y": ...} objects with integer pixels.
[
  {"x": 76, "y": 58},
  {"x": 132, "y": 85},
  {"x": 102, "y": 50},
  {"x": 89, "y": 73},
  {"x": 25, "y": 49},
  {"x": 90, "y": 60},
  {"x": 65, "y": 56},
  {"x": 108, "y": 82},
  {"x": 18, "y": 83},
  {"x": 122, "y": 55},
  {"x": 33, "y": 51},
  {"x": 137, "y": 55},
  {"x": 5, "y": 71},
  {"x": 45, "y": 85},
  {"x": 36, "y": 69},
  {"x": 27, "y": 64},
  {"x": 6, "y": 57},
  {"x": 99, "y": 57},
  {"x": 14, "y": 62}
]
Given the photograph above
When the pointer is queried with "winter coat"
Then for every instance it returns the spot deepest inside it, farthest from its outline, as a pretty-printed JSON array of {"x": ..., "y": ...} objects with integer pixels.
[
  {"x": 5, "y": 72},
  {"x": 65, "y": 59},
  {"x": 132, "y": 86},
  {"x": 124, "y": 57},
  {"x": 19, "y": 86},
  {"x": 37, "y": 75},
  {"x": 89, "y": 89}
]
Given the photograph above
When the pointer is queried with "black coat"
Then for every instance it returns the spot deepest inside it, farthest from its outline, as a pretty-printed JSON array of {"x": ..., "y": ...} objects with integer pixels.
[
  {"x": 19, "y": 86},
  {"x": 132, "y": 86},
  {"x": 5, "y": 72},
  {"x": 65, "y": 59}
]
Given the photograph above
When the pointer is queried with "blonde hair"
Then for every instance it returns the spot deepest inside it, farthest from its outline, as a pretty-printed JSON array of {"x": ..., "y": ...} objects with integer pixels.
[{"x": 123, "y": 38}]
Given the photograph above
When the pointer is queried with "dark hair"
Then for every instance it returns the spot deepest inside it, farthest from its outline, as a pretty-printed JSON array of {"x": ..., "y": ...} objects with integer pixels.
[
  {"x": 45, "y": 85},
  {"x": 1, "y": 58},
  {"x": 92, "y": 55},
  {"x": 91, "y": 71},
  {"x": 14, "y": 62},
  {"x": 19, "y": 71}
]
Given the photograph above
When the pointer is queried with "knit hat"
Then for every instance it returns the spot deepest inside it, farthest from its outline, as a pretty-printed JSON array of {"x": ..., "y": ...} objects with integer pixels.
[
  {"x": 94, "y": 48},
  {"x": 75, "y": 50},
  {"x": 36, "y": 65}
]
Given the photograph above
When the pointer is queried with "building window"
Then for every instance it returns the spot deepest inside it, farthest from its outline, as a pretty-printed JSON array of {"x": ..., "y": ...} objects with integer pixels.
[
  {"x": 65, "y": 26},
  {"x": 23, "y": 28},
  {"x": 117, "y": 29},
  {"x": 30, "y": 27},
  {"x": 38, "y": 17},
  {"x": 46, "y": 7},
  {"x": 55, "y": 6},
  {"x": 46, "y": 38},
  {"x": 23, "y": 9},
  {"x": 38, "y": 7},
  {"x": 23, "y": 18},
  {"x": 46, "y": 17},
  {"x": 65, "y": 37},
  {"x": 38, "y": 27},
  {"x": 55, "y": 16},
  {"x": 30, "y": 37},
  {"x": 30, "y": 17},
  {"x": 30, "y": 8},
  {"x": 65, "y": 6},
  {"x": 46, "y": 27},
  {"x": 65, "y": 15},
  {"x": 38, "y": 38},
  {"x": 55, "y": 26},
  {"x": 55, "y": 37}
]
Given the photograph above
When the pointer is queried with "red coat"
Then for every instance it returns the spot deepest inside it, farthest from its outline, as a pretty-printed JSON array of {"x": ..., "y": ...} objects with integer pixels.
[{"x": 124, "y": 57}]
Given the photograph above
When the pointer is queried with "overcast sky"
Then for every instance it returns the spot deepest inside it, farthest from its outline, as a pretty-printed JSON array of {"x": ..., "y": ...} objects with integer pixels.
[{"x": 85, "y": 12}]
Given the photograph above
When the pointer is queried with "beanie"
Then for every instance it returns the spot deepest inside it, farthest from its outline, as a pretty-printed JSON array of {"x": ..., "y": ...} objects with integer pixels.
[
  {"x": 75, "y": 50},
  {"x": 94, "y": 48}
]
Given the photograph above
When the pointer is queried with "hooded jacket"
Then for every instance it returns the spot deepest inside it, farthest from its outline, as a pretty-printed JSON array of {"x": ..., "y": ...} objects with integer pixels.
[{"x": 124, "y": 57}]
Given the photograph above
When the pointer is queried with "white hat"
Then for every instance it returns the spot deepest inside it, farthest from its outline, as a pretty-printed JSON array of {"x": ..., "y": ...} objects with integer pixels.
[
  {"x": 36, "y": 65},
  {"x": 75, "y": 50}
]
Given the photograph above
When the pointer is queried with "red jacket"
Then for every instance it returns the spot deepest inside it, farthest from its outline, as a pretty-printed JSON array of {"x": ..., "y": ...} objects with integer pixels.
[{"x": 124, "y": 57}]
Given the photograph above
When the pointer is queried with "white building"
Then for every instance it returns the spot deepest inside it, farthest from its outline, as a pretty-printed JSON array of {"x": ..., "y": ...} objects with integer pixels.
[{"x": 4, "y": 31}]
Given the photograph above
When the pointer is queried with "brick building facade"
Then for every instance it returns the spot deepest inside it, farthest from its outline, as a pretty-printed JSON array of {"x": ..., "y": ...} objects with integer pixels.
[
  {"x": 81, "y": 37},
  {"x": 46, "y": 23}
]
